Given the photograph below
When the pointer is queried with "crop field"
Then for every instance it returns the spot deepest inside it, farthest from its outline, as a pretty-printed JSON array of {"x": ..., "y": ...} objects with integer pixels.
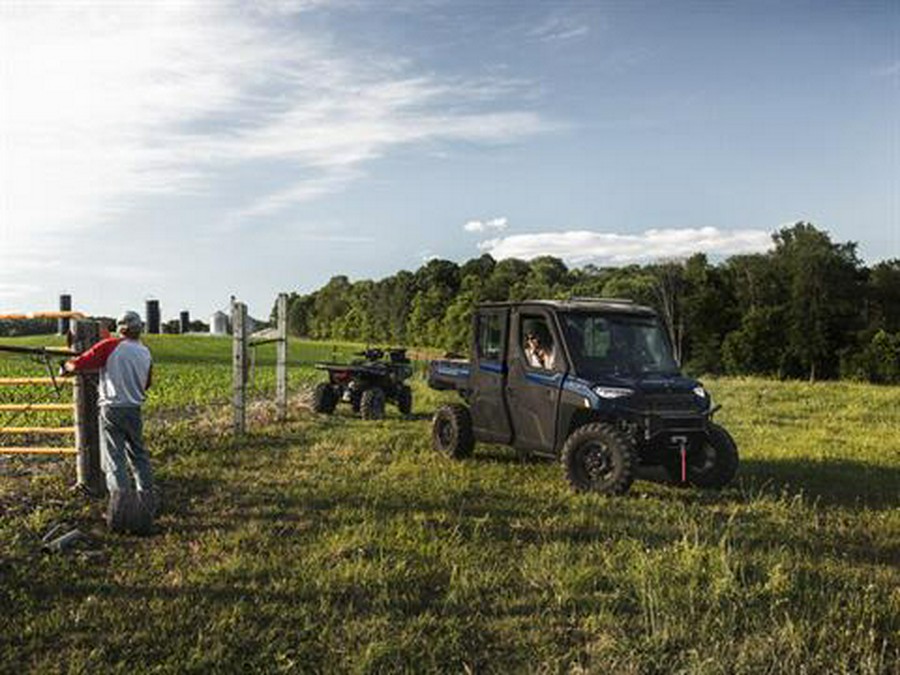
[{"x": 330, "y": 544}]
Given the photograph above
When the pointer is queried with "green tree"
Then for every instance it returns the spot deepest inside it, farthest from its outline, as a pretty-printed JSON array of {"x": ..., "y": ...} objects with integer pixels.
[
  {"x": 669, "y": 290},
  {"x": 756, "y": 348},
  {"x": 330, "y": 305},
  {"x": 632, "y": 283},
  {"x": 507, "y": 281},
  {"x": 547, "y": 278},
  {"x": 883, "y": 294},
  {"x": 823, "y": 298},
  {"x": 710, "y": 313}
]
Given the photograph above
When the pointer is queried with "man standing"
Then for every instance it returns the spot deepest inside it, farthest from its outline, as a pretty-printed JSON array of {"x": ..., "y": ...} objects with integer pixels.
[{"x": 125, "y": 369}]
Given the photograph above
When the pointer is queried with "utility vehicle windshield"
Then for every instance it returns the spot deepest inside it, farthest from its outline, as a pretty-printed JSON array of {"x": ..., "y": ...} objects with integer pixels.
[{"x": 617, "y": 343}]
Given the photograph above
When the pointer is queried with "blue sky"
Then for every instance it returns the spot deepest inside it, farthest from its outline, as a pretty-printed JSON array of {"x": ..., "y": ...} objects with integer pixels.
[{"x": 193, "y": 150}]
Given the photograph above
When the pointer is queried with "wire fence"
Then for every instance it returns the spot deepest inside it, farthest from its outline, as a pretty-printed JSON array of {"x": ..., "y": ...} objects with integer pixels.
[{"x": 190, "y": 372}]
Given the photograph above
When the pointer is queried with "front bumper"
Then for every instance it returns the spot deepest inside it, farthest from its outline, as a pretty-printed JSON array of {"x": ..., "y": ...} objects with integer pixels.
[{"x": 668, "y": 415}]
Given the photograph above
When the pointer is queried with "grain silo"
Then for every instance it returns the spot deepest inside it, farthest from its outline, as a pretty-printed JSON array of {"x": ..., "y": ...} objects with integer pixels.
[
  {"x": 153, "y": 317},
  {"x": 65, "y": 305},
  {"x": 219, "y": 323}
]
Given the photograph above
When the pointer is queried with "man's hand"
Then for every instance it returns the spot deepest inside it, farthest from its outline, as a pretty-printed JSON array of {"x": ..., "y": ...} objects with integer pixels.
[{"x": 66, "y": 368}]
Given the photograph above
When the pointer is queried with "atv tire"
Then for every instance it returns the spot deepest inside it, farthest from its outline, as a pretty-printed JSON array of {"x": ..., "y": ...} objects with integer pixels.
[
  {"x": 713, "y": 466},
  {"x": 599, "y": 458},
  {"x": 355, "y": 398},
  {"x": 404, "y": 399},
  {"x": 451, "y": 431},
  {"x": 325, "y": 399},
  {"x": 371, "y": 404}
]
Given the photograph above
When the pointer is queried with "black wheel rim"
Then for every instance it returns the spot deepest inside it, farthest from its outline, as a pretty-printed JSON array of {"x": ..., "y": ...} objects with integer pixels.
[
  {"x": 702, "y": 461},
  {"x": 596, "y": 463}
]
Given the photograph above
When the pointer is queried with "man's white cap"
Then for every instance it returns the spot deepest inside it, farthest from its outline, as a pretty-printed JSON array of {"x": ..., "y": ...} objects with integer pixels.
[{"x": 130, "y": 320}]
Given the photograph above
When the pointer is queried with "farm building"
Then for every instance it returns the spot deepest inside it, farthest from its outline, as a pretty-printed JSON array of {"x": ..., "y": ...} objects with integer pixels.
[{"x": 219, "y": 323}]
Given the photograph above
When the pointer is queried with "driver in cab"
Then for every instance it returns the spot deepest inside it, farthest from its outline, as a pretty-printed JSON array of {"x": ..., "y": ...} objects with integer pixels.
[{"x": 538, "y": 347}]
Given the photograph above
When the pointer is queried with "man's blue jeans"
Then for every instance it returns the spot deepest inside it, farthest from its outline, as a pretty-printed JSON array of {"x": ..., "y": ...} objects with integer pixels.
[{"x": 121, "y": 445}]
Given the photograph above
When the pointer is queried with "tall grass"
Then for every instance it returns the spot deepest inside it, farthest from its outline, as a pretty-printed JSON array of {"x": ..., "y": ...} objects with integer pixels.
[{"x": 336, "y": 545}]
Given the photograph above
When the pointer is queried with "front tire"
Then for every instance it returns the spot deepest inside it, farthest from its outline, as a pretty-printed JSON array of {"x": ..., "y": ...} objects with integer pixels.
[
  {"x": 325, "y": 398},
  {"x": 599, "y": 458},
  {"x": 451, "y": 431},
  {"x": 371, "y": 404},
  {"x": 404, "y": 399},
  {"x": 713, "y": 465}
]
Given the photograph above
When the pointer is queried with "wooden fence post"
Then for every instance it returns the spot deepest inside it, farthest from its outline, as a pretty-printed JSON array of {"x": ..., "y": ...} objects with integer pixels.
[
  {"x": 87, "y": 421},
  {"x": 281, "y": 359},
  {"x": 239, "y": 365}
]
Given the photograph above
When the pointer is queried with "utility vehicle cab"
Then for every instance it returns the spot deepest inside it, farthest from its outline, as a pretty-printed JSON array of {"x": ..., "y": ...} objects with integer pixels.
[{"x": 590, "y": 381}]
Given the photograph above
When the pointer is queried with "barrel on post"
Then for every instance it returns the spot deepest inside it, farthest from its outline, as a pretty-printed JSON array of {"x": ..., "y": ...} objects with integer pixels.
[
  {"x": 65, "y": 305},
  {"x": 184, "y": 322},
  {"x": 153, "y": 317},
  {"x": 87, "y": 422},
  {"x": 239, "y": 365},
  {"x": 281, "y": 359}
]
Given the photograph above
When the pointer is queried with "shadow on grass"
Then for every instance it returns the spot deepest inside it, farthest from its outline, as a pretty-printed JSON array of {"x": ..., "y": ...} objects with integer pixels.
[{"x": 830, "y": 482}]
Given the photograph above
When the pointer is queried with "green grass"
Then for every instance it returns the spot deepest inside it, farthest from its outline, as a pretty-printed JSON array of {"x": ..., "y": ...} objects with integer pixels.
[{"x": 334, "y": 545}]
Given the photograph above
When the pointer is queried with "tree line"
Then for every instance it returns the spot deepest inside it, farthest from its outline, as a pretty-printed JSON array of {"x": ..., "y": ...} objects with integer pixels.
[{"x": 808, "y": 308}]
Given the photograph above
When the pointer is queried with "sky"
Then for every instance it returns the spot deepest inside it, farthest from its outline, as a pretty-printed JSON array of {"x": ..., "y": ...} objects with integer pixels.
[{"x": 190, "y": 151}]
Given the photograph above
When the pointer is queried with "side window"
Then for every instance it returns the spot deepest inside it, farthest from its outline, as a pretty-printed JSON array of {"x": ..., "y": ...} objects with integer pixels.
[
  {"x": 490, "y": 337},
  {"x": 538, "y": 347}
]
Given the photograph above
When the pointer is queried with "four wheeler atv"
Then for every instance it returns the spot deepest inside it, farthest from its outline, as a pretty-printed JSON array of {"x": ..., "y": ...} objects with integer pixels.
[
  {"x": 591, "y": 382},
  {"x": 366, "y": 384}
]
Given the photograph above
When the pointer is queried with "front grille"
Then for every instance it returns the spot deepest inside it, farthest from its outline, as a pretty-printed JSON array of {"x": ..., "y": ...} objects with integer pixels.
[{"x": 674, "y": 402}]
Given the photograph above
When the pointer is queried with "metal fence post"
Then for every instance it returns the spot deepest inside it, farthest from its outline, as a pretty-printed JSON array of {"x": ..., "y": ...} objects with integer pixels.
[
  {"x": 239, "y": 365},
  {"x": 281, "y": 359}
]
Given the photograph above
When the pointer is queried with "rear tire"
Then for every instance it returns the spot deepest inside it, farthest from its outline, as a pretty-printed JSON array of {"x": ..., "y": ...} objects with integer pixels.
[
  {"x": 599, "y": 458},
  {"x": 371, "y": 404},
  {"x": 404, "y": 399},
  {"x": 713, "y": 466},
  {"x": 451, "y": 431},
  {"x": 355, "y": 398},
  {"x": 325, "y": 398}
]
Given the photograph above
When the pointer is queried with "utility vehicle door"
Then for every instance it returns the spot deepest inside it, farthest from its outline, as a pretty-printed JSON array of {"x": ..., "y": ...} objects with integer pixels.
[
  {"x": 490, "y": 413},
  {"x": 537, "y": 368}
]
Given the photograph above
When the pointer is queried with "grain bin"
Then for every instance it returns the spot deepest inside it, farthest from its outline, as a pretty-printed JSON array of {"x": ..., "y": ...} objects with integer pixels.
[
  {"x": 153, "y": 317},
  {"x": 219, "y": 323}
]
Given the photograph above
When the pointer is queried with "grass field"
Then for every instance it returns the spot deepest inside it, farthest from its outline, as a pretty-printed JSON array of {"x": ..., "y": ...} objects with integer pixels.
[{"x": 334, "y": 545}]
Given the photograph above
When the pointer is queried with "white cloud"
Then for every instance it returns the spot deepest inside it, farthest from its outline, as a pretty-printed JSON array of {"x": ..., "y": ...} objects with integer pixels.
[
  {"x": 312, "y": 188},
  {"x": 583, "y": 246},
  {"x": 102, "y": 105},
  {"x": 558, "y": 29},
  {"x": 498, "y": 224},
  {"x": 288, "y": 7}
]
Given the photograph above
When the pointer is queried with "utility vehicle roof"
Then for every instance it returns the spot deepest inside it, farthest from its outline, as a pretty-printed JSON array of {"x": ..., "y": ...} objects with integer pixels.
[{"x": 580, "y": 305}]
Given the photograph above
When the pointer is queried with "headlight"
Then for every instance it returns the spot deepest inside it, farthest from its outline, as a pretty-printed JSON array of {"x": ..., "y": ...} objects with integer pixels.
[
  {"x": 613, "y": 392},
  {"x": 701, "y": 393}
]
